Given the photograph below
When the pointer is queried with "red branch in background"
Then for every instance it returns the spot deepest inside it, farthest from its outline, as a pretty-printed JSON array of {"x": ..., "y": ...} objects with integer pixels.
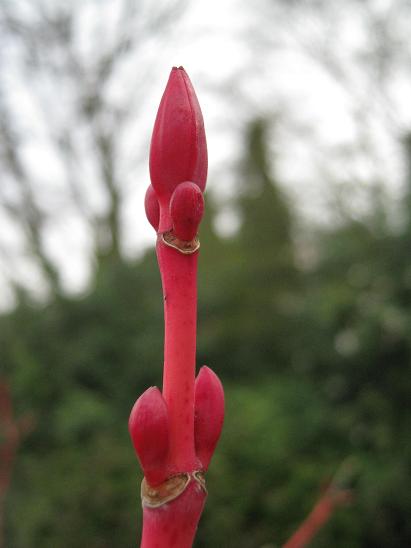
[
  {"x": 12, "y": 431},
  {"x": 174, "y": 432},
  {"x": 335, "y": 495}
]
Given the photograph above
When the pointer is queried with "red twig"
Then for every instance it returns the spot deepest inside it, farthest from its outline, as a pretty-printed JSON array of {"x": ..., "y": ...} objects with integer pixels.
[
  {"x": 337, "y": 494},
  {"x": 175, "y": 432},
  {"x": 317, "y": 518}
]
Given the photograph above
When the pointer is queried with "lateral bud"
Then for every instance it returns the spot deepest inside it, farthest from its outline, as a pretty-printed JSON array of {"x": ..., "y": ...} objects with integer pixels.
[
  {"x": 152, "y": 207},
  {"x": 148, "y": 427},
  {"x": 209, "y": 414},
  {"x": 186, "y": 210}
]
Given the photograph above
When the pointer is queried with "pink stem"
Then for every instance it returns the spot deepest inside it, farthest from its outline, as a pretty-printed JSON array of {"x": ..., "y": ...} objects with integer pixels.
[
  {"x": 175, "y": 524},
  {"x": 179, "y": 279},
  {"x": 173, "y": 442}
]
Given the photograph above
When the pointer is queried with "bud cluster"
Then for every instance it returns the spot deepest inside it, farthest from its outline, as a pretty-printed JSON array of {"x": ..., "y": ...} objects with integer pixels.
[
  {"x": 178, "y": 161},
  {"x": 148, "y": 426}
]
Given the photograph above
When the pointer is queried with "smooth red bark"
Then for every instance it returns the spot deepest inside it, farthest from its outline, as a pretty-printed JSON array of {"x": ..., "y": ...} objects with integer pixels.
[
  {"x": 174, "y": 525},
  {"x": 179, "y": 279}
]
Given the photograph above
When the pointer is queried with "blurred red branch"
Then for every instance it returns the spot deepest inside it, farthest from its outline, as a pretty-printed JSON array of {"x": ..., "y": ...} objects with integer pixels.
[
  {"x": 317, "y": 518},
  {"x": 12, "y": 431},
  {"x": 335, "y": 495}
]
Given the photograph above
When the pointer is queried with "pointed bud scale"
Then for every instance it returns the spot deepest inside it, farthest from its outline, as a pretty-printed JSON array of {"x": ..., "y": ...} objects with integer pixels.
[
  {"x": 186, "y": 210},
  {"x": 148, "y": 427},
  {"x": 152, "y": 207},
  {"x": 178, "y": 149},
  {"x": 209, "y": 414}
]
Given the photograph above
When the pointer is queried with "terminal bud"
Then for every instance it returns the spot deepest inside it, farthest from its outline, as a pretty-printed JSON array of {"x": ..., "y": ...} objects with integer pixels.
[{"x": 178, "y": 149}]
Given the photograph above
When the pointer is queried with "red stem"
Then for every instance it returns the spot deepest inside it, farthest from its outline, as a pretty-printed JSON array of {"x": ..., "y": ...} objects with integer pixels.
[
  {"x": 179, "y": 279},
  {"x": 175, "y": 524},
  {"x": 175, "y": 433}
]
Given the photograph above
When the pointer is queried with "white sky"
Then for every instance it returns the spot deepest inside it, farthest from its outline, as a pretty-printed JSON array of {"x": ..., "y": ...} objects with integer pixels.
[{"x": 235, "y": 78}]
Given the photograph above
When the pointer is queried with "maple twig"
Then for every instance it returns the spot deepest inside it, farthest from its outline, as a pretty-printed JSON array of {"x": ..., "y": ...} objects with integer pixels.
[{"x": 175, "y": 431}]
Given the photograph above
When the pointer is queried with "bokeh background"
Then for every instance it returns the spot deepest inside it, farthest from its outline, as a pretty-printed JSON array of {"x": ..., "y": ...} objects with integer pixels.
[{"x": 305, "y": 267}]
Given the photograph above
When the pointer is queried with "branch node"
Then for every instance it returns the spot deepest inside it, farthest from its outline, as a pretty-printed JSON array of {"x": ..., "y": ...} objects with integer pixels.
[
  {"x": 173, "y": 487},
  {"x": 187, "y": 247}
]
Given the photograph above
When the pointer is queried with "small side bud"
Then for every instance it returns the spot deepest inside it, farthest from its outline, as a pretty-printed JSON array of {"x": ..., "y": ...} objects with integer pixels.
[
  {"x": 152, "y": 207},
  {"x": 186, "y": 210},
  {"x": 209, "y": 414},
  {"x": 148, "y": 427}
]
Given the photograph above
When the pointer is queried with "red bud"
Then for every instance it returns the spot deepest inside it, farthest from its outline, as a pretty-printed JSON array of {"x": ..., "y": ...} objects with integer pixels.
[
  {"x": 148, "y": 427},
  {"x": 186, "y": 210},
  {"x": 209, "y": 414},
  {"x": 178, "y": 146},
  {"x": 152, "y": 207}
]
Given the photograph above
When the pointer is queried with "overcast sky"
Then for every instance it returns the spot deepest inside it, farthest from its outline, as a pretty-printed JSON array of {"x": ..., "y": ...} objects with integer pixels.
[{"x": 245, "y": 59}]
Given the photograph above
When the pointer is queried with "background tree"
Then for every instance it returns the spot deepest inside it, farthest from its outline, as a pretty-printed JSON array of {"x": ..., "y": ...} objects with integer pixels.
[
  {"x": 66, "y": 176},
  {"x": 340, "y": 96}
]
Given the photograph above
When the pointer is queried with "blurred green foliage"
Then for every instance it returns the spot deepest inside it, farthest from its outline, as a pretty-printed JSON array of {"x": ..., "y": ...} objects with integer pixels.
[{"x": 316, "y": 367}]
